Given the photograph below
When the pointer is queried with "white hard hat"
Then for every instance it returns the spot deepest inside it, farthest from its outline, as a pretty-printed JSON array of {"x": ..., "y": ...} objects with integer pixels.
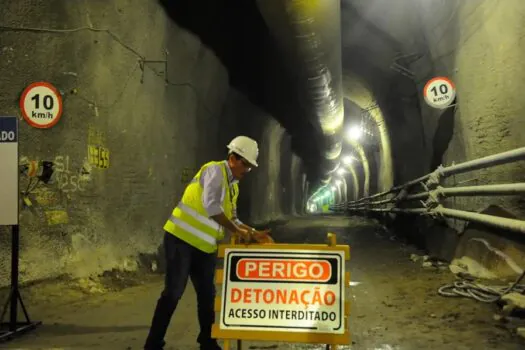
[{"x": 246, "y": 148}]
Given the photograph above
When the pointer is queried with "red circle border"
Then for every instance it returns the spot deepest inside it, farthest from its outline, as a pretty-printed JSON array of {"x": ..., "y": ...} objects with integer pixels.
[
  {"x": 24, "y": 113},
  {"x": 433, "y": 80}
]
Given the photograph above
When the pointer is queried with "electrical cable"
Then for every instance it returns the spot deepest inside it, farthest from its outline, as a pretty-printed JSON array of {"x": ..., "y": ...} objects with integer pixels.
[
  {"x": 143, "y": 60},
  {"x": 487, "y": 294}
]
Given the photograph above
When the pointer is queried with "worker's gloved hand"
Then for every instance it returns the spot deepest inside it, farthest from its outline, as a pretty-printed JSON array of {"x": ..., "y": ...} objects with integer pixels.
[{"x": 263, "y": 237}]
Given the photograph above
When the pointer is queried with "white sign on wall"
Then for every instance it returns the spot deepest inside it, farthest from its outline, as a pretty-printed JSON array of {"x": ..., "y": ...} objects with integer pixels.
[
  {"x": 9, "y": 171},
  {"x": 283, "y": 290},
  {"x": 439, "y": 92},
  {"x": 41, "y": 105}
]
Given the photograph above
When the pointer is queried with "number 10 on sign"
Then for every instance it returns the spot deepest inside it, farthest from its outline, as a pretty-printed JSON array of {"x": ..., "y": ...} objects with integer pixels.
[{"x": 439, "y": 92}]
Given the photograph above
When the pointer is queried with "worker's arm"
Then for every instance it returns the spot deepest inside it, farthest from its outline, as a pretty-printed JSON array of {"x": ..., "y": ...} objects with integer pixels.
[
  {"x": 260, "y": 236},
  {"x": 211, "y": 181}
]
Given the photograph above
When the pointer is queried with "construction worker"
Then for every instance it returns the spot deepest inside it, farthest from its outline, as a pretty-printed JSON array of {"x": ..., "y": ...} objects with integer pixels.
[{"x": 208, "y": 207}]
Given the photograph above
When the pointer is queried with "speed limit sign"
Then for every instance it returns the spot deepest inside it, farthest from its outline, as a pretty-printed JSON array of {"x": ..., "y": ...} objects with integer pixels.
[
  {"x": 41, "y": 105},
  {"x": 439, "y": 92}
]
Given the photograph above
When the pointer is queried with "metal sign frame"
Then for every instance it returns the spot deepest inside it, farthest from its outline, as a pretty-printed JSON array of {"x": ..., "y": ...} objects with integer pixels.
[{"x": 13, "y": 328}]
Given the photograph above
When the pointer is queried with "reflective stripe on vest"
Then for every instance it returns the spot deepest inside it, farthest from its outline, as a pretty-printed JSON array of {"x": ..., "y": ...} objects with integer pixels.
[
  {"x": 189, "y": 220},
  {"x": 193, "y": 230},
  {"x": 200, "y": 218}
]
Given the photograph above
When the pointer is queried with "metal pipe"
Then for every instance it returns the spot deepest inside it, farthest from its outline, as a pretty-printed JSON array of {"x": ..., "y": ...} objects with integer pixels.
[
  {"x": 485, "y": 162},
  {"x": 490, "y": 220},
  {"x": 483, "y": 190},
  {"x": 481, "y": 163}
]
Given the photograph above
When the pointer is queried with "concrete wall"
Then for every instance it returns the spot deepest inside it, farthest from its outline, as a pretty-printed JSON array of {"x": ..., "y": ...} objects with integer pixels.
[
  {"x": 270, "y": 191},
  {"x": 157, "y": 126}
]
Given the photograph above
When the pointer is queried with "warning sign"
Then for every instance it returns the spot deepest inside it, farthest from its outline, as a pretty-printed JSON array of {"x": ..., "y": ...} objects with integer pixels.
[
  {"x": 41, "y": 105},
  {"x": 439, "y": 92},
  {"x": 283, "y": 290}
]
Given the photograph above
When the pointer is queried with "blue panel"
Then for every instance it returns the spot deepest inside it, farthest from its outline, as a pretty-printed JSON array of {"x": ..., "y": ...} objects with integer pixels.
[{"x": 8, "y": 129}]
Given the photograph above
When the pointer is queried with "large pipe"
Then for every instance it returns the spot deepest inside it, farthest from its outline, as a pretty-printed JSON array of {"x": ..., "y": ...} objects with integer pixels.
[
  {"x": 465, "y": 191},
  {"x": 309, "y": 31},
  {"x": 490, "y": 220},
  {"x": 476, "y": 164}
]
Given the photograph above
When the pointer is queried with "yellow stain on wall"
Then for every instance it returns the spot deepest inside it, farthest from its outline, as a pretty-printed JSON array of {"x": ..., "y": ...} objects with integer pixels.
[
  {"x": 57, "y": 217},
  {"x": 45, "y": 197}
]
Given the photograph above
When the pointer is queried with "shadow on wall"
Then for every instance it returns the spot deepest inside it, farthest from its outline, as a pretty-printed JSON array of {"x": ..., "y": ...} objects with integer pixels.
[{"x": 442, "y": 137}]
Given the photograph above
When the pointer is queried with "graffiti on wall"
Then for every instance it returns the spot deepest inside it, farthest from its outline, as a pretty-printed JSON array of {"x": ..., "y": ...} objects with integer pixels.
[
  {"x": 68, "y": 180},
  {"x": 98, "y": 154}
]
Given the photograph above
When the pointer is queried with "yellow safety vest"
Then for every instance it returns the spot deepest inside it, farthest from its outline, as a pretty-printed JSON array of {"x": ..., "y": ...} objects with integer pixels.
[{"x": 189, "y": 220}]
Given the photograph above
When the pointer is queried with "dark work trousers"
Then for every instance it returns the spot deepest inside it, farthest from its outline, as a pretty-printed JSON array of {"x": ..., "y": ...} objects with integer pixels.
[{"x": 183, "y": 261}]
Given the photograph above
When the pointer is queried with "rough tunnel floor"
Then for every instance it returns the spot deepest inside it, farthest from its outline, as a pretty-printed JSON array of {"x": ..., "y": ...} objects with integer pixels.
[{"x": 395, "y": 304}]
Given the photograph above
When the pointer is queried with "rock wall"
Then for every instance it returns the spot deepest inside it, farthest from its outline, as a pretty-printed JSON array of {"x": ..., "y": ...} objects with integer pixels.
[
  {"x": 271, "y": 191},
  {"x": 152, "y": 123}
]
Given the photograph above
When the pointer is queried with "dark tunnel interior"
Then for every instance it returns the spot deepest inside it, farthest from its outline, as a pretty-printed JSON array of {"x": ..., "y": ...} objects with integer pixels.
[{"x": 396, "y": 126}]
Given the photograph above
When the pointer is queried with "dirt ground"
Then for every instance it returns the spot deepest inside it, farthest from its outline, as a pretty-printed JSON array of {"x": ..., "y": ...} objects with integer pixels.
[{"x": 395, "y": 304}]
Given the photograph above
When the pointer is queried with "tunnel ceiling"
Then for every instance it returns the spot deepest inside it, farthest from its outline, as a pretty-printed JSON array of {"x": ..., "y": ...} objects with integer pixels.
[{"x": 236, "y": 32}]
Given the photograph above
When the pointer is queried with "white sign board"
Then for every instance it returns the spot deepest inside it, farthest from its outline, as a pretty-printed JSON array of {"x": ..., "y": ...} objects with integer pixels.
[
  {"x": 9, "y": 171},
  {"x": 41, "y": 105},
  {"x": 283, "y": 291},
  {"x": 439, "y": 92}
]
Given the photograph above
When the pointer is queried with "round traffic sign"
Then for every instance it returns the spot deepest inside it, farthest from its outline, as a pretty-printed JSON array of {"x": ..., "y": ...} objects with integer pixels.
[
  {"x": 41, "y": 105},
  {"x": 439, "y": 92}
]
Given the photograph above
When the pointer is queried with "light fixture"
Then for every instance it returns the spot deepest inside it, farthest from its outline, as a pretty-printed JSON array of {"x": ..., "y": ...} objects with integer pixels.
[
  {"x": 347, "y": 160},
  {"x": 355, "y": 133}
]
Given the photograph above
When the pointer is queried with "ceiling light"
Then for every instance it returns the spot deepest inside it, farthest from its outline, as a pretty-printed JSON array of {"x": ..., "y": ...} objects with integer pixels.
[{"x": 355, "y": 133}]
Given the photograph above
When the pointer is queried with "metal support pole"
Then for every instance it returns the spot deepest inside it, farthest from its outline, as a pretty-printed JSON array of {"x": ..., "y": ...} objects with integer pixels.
[
  {"x": 15, "y": 328},
  {"x": 15, "y": 250}
]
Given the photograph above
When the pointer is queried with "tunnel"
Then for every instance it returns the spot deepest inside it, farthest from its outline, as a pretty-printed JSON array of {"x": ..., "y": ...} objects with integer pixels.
[{"x": 353, "y": 144}]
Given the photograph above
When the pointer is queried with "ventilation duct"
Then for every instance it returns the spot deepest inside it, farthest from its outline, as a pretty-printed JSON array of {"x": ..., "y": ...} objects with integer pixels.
[{"x": 309, "y": 32}]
